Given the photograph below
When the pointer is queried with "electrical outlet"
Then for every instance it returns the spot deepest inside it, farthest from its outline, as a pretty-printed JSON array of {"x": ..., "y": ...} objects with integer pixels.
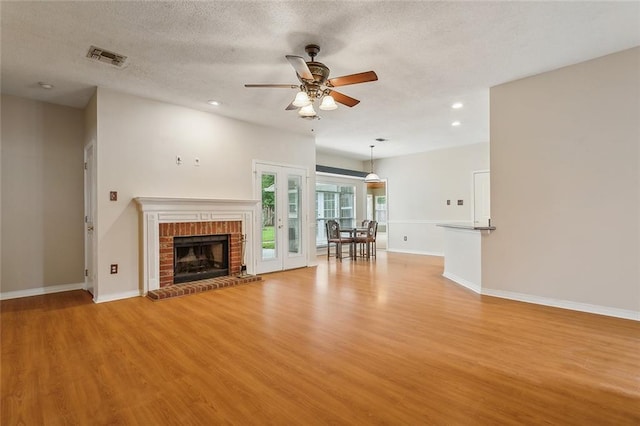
[
  {"x": 405, "y": 238},
  {"x": 178, "y": 160},
  {"x": 114, "y": 268},
  {"x": 448, "y": 202},
  {"x": 113, "y": 195},
  {"x": 196, "y": 162}
]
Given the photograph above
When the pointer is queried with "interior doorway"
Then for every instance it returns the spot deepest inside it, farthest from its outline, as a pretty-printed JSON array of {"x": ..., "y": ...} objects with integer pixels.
[{"x": 377, "y": 209}]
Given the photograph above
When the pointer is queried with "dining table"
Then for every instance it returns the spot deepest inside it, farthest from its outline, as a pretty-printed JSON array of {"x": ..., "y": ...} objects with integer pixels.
[{"x": 353, "y": 233}]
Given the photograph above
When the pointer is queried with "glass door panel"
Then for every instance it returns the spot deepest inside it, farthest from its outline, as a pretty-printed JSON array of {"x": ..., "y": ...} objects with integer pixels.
[
  {"x": 294, "y": 214},
  {"x": 268, "y": 236}
]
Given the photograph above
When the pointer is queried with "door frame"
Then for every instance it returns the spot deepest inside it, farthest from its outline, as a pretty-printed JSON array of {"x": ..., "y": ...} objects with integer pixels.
[
  {"x": 304, "y": 215},
  {"x": 386, "y": 195},
  {"x": 89, "y": 222},
  {"x": 474, "y": 174}
]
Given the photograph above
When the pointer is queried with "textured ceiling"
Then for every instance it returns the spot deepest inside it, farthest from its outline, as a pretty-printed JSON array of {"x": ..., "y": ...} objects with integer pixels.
[{"x": 427, "y": 55}]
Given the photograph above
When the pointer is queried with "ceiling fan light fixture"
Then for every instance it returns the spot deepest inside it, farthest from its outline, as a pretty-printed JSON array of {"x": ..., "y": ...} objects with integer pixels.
[
  {"x": 301, "y": 100},
  {"x": 328, "y": 103},
  {"x": 307, "y": 111}
]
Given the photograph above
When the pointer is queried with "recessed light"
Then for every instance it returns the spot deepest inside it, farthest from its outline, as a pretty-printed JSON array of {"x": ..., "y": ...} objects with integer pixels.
[
  {"x": 212, "y": 102},
  {"x": 45, "y": 85},
  {"x": 457, "y": 105},
  {"x": 455, "y": 123}
]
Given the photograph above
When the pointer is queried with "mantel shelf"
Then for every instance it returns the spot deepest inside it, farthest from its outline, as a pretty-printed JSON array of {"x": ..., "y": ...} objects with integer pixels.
[{"x": 182, "y": 204}]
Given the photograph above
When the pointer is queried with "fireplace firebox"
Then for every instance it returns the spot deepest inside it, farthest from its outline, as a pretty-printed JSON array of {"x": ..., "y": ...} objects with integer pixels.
[{"x": 200, "y": 257}]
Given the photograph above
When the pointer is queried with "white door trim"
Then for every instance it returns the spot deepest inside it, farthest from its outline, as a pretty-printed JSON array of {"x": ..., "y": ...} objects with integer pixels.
[{"x": 90, "y": 245}]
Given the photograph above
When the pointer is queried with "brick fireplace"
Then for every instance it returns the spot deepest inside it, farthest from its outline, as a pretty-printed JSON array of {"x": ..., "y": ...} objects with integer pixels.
[
  {"x": 163, "y": 219},
  {"x": 168, "y": 232}
]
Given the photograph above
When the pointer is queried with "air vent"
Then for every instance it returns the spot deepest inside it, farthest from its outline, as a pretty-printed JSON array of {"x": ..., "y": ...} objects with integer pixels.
[{"x": 102, "y": 55}]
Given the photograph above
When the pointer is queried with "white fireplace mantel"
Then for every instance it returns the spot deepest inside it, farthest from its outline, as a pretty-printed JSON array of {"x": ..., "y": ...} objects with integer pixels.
[{"x": 157, "y": 210}]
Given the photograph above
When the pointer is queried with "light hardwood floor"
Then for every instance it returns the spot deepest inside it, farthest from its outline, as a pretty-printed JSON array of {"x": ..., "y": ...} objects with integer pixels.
[{"x": 383, "y": 342}]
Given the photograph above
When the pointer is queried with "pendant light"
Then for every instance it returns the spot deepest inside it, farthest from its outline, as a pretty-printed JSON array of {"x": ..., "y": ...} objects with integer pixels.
[{"x": 372, "y": 177}]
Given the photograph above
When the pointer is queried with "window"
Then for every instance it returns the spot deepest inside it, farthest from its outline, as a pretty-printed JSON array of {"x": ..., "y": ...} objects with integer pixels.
[
  {"x": 334, "y": 201},
  {"x": 381, "y": 209}
]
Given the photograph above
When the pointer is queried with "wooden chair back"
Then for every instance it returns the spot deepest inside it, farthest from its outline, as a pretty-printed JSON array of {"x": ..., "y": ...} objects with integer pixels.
[{"x": 333, "y": 230}]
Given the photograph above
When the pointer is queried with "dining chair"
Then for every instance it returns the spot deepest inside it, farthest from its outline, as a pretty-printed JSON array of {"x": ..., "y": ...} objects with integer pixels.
[
  {"x": 334, "y": 235},
  {"x": 367, "y": 240},
  {"x": 362, "y": 230}
]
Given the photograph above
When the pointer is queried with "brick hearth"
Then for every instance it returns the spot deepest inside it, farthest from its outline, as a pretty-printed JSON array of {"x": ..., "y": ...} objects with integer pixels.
[{"x": 199, "y": 286}]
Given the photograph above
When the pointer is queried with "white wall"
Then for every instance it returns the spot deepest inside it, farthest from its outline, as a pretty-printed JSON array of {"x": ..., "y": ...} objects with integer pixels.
[
  {"x": 91, "y": 121},
  {"x": 418, "y": 187},
  {"x": 42, "y": 197},
  {"x": 565, "y": 187},
  {"x": 336, "y": 160},
  {"x": 138, "y": 140}
]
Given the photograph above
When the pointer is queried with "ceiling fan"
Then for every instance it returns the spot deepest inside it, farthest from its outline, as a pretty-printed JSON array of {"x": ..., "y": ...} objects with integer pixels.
[{"x": 317, "y": 86}]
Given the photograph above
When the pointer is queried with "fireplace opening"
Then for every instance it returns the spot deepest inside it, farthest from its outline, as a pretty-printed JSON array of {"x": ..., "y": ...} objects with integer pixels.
[{"x": 200, "y": 257}]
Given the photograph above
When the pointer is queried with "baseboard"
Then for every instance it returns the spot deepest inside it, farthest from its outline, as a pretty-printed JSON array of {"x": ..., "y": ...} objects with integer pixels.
[
  {"x": 564, "y": 304},
  {"x": 476, "y": 288},
  {"x": 118, "y": 296},
  {"x": 40, "y": 291},
  {"x": 423, "y": 253}
]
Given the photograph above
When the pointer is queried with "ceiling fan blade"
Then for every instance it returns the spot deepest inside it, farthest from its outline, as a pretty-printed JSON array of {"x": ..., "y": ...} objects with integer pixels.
[
  {"x": 362, "y": 77},
  {"x": 280, "y": 86},
  {"x": 291, "y": 106},
  {"x": 343, "y": 99},
  {"x": 298, "y": 63}
]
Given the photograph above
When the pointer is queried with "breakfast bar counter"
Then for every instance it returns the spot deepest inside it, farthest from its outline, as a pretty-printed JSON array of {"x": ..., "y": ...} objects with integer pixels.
[{"x": 463, "y": 253}]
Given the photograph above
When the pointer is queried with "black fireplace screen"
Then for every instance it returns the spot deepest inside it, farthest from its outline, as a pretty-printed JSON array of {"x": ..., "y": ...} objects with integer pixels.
[{"x": 200, "y": 257}]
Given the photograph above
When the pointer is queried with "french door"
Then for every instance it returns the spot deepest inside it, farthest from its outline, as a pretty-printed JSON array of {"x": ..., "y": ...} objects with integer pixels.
[{"x": 283, "y": 215}]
